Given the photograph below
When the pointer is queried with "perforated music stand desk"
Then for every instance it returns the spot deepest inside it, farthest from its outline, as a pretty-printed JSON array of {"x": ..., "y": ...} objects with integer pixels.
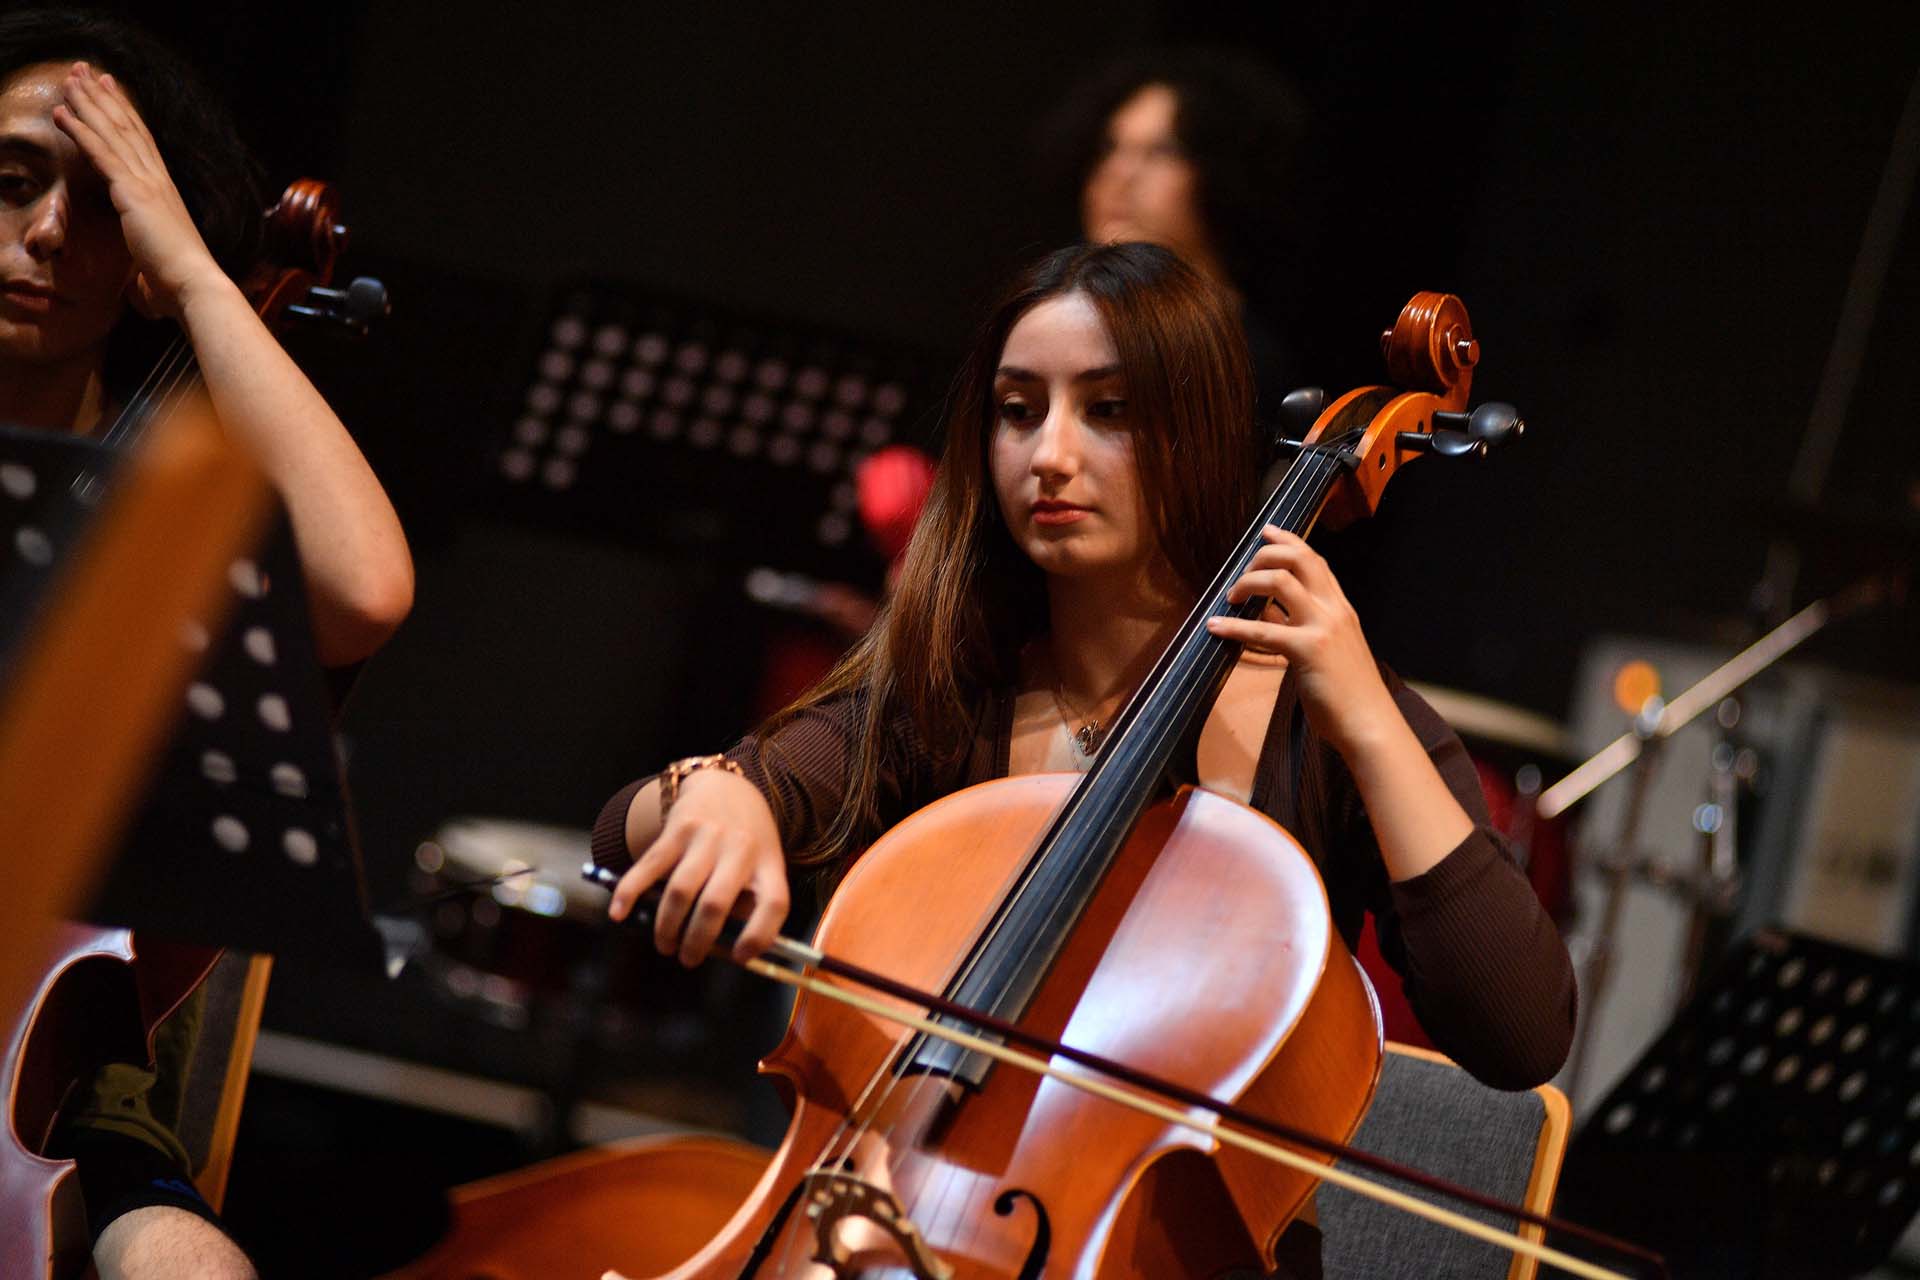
[
  {"x": 244, "y": 838},
  {"x": 1774, "y": 1127}
]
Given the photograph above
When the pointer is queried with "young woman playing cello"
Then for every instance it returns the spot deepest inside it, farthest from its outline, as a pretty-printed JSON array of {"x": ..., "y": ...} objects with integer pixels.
[
  {"x": 1098, "y": 467},
  {"x": 100, "y": 251}
]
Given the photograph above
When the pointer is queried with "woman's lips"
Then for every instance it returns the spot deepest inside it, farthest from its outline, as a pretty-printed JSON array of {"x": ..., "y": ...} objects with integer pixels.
[{"x": 1056, "y": 512}]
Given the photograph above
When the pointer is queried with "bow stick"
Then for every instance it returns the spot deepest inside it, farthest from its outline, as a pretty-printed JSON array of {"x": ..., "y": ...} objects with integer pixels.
[{"x": 805, "y": 958}]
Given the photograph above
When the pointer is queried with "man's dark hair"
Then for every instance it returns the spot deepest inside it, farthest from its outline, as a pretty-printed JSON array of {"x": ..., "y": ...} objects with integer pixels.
[{"x": 218, "y": 179}]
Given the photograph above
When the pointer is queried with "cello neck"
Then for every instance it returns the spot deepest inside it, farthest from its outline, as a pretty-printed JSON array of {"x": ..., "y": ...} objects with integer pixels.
[{"x": 1020, "y": 944}]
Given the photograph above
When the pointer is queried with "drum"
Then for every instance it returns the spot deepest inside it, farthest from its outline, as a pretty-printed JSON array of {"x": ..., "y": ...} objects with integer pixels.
[{"x": 515, "y": 927}]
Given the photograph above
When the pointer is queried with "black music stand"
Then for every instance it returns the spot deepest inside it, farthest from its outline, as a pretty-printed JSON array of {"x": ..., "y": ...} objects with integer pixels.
[
  {"x": 679, "y": 424},
  {"x": 1774, "y": 1128},
  {"x": 243, "y": 838}
]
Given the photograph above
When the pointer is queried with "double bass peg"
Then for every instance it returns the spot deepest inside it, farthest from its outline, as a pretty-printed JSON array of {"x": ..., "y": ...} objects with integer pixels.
[{"x": 1493, "y": 423}]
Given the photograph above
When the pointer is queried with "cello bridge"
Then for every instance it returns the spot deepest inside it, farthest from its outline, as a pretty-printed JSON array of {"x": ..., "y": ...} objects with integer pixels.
[{"x": 833, "y": 1198}]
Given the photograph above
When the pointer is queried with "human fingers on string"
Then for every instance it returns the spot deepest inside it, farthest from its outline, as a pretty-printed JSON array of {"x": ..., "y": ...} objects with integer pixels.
[
  {"x": 1289, "y": 551},
  {"x": 1274, "y": 574}
]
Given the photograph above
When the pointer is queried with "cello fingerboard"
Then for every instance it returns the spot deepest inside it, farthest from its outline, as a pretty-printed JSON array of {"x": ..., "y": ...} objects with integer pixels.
[{"x": 1020, "y": 944}]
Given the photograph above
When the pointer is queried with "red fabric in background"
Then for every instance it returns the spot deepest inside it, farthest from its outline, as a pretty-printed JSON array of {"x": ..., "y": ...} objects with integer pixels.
[{"x": 892, "y": 487}]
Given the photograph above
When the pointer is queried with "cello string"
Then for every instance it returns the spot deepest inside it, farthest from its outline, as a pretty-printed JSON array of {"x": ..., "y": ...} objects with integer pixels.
[
  {"x": 1290, "y": 502},
  {"x": 137, "y": 405},
  {"x": 182, "y": 379},
  {"x": 1201, "y": 607},
  {"x": 127, "y": 411},
  {"x": 127, "y": 422},
  {"x": 1229, "y": 1136},
  {"x": 797, "y": 964}
]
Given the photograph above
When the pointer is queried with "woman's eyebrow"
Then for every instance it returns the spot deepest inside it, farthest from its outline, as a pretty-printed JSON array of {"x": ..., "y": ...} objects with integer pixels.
[{"x": 1014, "y": 373}]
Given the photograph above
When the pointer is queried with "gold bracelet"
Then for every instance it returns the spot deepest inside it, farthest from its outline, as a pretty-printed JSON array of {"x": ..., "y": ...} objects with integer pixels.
[{"x": 676, "y": 773}]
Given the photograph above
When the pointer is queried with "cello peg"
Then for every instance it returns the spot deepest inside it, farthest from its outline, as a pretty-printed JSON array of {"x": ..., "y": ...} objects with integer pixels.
[
  {"x": 1444, "y": 444},
  {"x": 1493, "y": 423},
  {"x": 1496, "y": 422},
  {"x": 1300, "y": 409}
]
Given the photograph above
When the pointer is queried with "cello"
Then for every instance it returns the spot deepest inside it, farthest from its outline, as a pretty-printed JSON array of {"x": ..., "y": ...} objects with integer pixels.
[
  {"x": 1092, "y": 915},
  {"x": 104, "y": 991}
]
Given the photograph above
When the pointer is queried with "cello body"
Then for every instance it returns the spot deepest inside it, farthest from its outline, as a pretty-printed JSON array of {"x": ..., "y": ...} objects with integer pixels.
[
  {"x": 91, "y": 1006},
  {"x": 1207, "y": 956}
]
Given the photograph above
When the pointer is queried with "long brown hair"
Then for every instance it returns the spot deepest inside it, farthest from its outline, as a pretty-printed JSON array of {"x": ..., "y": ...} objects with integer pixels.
[{"x": 968, "y": 599}]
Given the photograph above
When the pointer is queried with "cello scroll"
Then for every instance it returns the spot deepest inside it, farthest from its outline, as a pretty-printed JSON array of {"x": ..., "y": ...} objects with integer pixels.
[{"x": 1430, "y": 353}]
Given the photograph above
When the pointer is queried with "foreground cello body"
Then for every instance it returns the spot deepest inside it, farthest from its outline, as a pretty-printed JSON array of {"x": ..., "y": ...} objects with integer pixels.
[{"x": 1207, "y": 956}]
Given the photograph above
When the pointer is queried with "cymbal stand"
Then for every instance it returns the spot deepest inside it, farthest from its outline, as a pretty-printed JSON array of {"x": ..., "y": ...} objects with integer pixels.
[
  {"x": 1656, "y": 723},
  {"x": 1716, "y": 884},
  {"x": 1618, "y": 870}
]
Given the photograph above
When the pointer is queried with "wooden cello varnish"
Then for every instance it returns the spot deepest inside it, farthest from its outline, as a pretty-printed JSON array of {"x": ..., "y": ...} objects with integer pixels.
[{"x": 1204, "y": 957}]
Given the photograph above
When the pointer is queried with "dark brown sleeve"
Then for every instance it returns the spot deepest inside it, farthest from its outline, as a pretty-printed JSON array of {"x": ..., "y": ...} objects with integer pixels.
[
  {"x": 801, "y": 769},
  {"x": 1484, "y": 967}
]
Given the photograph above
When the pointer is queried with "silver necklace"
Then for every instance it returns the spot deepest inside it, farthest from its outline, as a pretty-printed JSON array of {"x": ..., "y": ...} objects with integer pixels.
[{"x": 1085, "y": 740}]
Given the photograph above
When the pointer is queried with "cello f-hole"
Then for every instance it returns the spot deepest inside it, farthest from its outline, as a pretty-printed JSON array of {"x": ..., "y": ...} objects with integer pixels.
[{"x": 1036, "y": 1263}]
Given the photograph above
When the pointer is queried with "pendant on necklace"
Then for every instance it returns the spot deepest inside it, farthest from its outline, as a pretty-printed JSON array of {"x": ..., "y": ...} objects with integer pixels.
[{"x": 1087, "y": 738}]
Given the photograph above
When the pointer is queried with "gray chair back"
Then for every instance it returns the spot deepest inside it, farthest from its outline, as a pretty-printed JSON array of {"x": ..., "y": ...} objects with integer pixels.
[{"x": 1433, "y": 1116}]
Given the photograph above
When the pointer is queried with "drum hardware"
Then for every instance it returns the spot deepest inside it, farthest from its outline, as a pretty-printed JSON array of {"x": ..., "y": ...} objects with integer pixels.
[
  {"x": 1713, "y": 889},
  {"x": 517, "y": 941},
  {"x": 509, "y": 937}
]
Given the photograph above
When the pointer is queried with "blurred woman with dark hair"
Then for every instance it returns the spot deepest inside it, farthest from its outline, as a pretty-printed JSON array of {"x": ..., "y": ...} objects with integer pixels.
[
  {"x": 1097, "y": 470},
  {"x": 128, "y": 209},
  {"x": 1202, "y": 151}
]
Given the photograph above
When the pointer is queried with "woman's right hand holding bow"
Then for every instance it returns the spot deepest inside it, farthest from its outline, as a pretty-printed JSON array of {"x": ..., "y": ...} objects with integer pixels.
[{"x": 718, "y": 854}]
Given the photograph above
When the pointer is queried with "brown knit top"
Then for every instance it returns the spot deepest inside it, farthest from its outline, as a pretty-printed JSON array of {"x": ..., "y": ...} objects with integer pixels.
[{"x": 1484, "y": 968}]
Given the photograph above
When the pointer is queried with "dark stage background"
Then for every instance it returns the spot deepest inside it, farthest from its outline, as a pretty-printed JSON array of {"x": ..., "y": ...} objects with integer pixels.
[
  {"x": 1651, "y": 211},
  {"x": 1652, "y": 215}
]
